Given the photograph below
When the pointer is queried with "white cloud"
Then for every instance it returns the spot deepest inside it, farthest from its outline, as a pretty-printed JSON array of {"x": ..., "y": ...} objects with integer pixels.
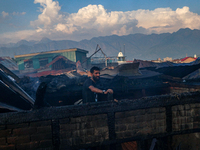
[
  {"x": 50, "y": 14},
  {"x": 18, "y": 13},
  {"x": 95, "y": 20},
  {"x": 166, "y": 20},
  {"x": 16, "y": 36},
  {"x": 4, "y": 14},
  {"x": 69, "y": 28}
]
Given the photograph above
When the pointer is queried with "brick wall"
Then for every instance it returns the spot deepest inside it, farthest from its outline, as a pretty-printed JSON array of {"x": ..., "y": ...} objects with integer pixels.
[
  {"x": 140, "y": 122},
  {"x": 83, "y": 130},
  {"x": 29, "y": 135},
  {"x": 186, "y": 117},
  {"x": 102, "y": 123}
]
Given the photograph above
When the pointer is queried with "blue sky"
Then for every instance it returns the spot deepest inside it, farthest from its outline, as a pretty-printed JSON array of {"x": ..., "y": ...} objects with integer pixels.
[{"x": 84, "y": 19}]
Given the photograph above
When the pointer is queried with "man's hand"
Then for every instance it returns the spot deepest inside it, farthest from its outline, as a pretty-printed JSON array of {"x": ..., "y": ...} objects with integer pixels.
[{"x": 109, "y": 91}]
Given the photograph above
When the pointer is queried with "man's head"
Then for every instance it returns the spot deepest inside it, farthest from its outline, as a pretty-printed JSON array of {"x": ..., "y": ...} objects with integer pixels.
[{"x": 95, "y": 72}]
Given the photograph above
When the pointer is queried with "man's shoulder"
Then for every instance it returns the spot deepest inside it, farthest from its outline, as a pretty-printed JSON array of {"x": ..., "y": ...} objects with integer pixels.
[{"x": 88, "y": 81}]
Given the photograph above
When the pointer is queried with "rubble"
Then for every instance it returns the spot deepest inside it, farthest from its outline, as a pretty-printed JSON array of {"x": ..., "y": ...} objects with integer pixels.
[{"x": 66, "y": 88}]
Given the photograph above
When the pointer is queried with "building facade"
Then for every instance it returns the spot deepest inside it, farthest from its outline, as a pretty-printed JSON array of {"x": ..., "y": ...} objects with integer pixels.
[{"x": 34, "y": 61}]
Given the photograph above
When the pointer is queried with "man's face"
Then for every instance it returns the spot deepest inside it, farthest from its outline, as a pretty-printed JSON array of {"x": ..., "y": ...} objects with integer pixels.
[{"x": 96, "y": 75}]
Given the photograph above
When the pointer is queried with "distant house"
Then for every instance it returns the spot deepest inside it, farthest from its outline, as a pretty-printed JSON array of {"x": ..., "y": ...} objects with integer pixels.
[
  {"x": 187, "y": 59},
  {"x": 31, "y": 62},
  {"x": 167, "y": 59}
]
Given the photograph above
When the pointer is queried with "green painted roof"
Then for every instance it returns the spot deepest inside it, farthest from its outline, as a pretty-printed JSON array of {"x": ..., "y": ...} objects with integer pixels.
[{"x": 50, "y": 52}]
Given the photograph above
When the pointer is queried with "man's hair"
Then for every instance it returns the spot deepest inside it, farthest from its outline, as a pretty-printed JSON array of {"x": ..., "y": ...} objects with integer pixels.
[{"x": 94, "y": 68}]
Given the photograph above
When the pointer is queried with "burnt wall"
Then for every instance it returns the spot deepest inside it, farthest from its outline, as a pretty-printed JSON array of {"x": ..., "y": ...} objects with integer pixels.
[
  {"x": 185, "y": 117},
  {"x": 28, "y": 135},
  {"x": 134, "y": 123},
  {"x": 103, "y": 123}
]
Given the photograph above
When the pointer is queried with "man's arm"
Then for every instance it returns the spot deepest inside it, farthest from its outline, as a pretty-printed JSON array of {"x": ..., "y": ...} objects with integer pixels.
[
  {"x": 109, "y": 91},
  {"x": 96, "y": 90}
]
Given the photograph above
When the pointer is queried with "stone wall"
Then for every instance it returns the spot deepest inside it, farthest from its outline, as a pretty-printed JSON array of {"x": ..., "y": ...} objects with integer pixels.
[{"x": 103, "y": 123}]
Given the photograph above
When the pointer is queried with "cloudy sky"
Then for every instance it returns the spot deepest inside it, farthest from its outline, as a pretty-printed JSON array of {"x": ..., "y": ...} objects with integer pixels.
[{"x": 84, "y": 19}]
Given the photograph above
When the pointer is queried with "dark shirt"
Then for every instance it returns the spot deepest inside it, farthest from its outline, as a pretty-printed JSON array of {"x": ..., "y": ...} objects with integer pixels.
[{"x": 88, "y": 95}]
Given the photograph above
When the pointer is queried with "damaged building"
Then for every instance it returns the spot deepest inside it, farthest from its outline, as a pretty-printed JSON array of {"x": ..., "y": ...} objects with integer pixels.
[
  {"x": 146, "y": 114},
  {"x": 51, "y": 60}
]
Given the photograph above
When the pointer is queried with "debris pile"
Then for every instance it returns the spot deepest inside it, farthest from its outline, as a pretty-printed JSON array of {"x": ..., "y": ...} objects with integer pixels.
[{"x": 126, "y": 80}]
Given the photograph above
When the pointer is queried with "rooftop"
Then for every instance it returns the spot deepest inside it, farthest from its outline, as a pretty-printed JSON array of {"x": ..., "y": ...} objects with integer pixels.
[{"x": 53, "y": 51}]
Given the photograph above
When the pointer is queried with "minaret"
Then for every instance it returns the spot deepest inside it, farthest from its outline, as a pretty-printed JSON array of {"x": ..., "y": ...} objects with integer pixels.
[{"x": 120, "y": 58}]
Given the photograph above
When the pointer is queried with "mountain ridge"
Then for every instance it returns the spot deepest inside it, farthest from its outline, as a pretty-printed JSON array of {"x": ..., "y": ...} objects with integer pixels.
[{"x": 136, "y": 46}]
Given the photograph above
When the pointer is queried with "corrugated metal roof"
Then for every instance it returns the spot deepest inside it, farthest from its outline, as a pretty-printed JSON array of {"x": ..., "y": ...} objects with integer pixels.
[
  {"x": 178, "y": 70},
  {"x": 54, "y": 51},
  {"x": 9, "y": 63},
  {"x": 187, "y": 58},
  {"x": 50, "y": 72},
  {"x": 58, "y": 58},
  {"x": 44, "y": 71}
]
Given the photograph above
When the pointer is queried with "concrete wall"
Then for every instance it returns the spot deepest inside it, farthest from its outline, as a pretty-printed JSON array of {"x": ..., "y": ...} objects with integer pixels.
[{"x": 103, "y": 123}]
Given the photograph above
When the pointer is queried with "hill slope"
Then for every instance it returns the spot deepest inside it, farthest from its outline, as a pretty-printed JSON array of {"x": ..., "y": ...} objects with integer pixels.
[{"x": 138, "y": 46}]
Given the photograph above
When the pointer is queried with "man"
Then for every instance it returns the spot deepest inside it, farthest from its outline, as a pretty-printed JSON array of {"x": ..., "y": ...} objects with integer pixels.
[{"x": 90, "y": 90}]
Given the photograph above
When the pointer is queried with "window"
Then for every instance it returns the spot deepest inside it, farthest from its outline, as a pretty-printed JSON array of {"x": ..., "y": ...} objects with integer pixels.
[
  {"x": 28, "y": 63},
  {"x": 43, "y": 62}
]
